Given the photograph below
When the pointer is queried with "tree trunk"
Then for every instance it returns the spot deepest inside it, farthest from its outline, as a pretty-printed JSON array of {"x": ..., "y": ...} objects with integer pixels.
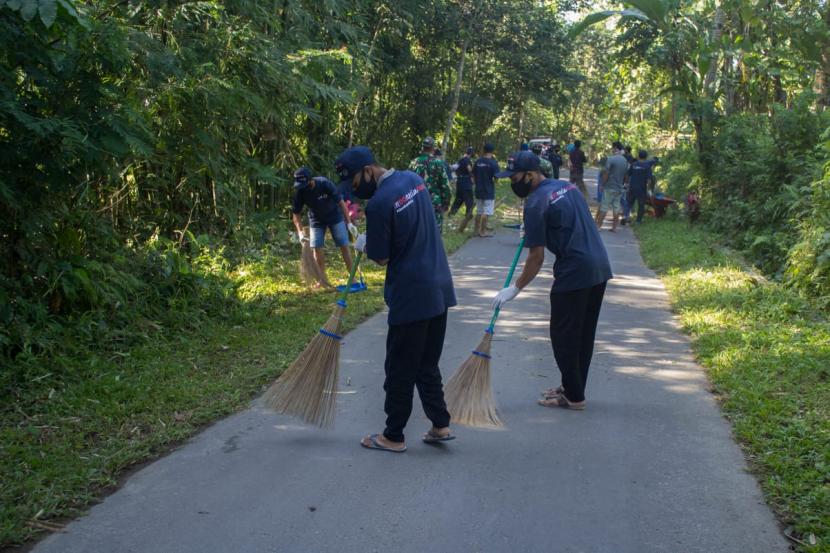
[
  {"x": 823, "y": 72},
  {"x": 717, "y": 30},
  {"x": 359, "y": 101},
  {"x": 456, "y": 96}
]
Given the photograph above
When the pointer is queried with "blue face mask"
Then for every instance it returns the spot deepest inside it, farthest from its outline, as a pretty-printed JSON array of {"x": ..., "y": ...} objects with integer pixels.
[{"x": 365, "y": 188}]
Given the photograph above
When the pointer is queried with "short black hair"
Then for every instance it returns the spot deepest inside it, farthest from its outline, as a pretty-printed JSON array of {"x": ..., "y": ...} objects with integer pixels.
[
  {"x": 617, "y": 145},
  {"x": 642, "y": 154},
  {"x": 488, "y": 148},
  {"x": 628, "y": 148},
  {"x": 577, "y": 143}
]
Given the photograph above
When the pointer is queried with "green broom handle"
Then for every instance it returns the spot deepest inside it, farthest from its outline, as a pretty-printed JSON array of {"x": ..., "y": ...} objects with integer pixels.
[
  {"x": 355, "y": 263},
  {"x": 507, "y": 282}
]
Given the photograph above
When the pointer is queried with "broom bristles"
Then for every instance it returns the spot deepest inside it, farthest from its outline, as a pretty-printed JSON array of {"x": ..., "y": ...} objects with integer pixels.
[
  {"x": 469, "y": 394},
  {"x": 308, "y": 388},
  {"x": 309, "y": 270}
]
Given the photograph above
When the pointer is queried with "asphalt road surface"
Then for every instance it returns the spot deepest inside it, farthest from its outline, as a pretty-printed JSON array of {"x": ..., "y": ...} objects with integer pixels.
[{"x": 649, "y": 466}]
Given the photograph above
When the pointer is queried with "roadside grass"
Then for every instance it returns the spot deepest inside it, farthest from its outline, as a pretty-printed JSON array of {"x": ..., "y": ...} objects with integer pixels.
[
  {"x": 767, "y": 353},
  {"x": 89, "y": 411}
]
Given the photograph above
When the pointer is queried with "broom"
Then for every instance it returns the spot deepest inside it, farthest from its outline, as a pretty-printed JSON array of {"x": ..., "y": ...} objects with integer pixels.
[
  {"x": 309, "y": 270},
  {"x": 308, "y": 388},
  {"x": 469, "y": 394}
]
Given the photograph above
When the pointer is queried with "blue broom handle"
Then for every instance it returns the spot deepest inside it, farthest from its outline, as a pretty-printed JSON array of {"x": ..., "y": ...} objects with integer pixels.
[
  {"x": 355, "y": 263},
  {"x": 507, "y": 282}
]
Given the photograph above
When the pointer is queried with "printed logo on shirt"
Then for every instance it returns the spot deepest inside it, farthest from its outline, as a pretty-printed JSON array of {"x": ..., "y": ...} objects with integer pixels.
[
  {"x": 407, "y": 199},
  {"x": 557, "y": 195}
]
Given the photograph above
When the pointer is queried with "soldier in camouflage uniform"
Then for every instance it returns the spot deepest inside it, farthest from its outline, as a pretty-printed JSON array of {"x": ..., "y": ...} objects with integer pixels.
[
  {"x": 432, "y": 169},
  {"x": 545, "y": 166}
]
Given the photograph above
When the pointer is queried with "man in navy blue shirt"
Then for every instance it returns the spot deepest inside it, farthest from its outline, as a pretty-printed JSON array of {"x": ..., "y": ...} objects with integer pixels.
[
  {"x": 639, "y": 176},
  {"x": 464, "y": 188},
  {"x": 402, "y": 235},
  {"x": 326, "y": 210},
  {"x": 556, "y": 217},
  {"x": 484, "y": 174}
]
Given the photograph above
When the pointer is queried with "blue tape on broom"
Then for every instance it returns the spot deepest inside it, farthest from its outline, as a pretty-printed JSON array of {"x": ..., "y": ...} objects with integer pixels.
[
  {"x": 330, "y": 334},
  {"x": 484, "y": 355}
]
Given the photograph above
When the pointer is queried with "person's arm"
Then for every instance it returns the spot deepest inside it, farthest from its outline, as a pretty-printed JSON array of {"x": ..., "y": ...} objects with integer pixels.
[
  {"x": 298, "y": 222},
  {"x": 533, "y": 263}
]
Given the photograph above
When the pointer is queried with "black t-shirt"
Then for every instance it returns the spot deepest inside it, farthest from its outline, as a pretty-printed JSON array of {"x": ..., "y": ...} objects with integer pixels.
[
  {"x": 556, "y": 216},
  {"x": 463, "y": 172},
  {"x": 639, "y": 174},
  {"x": 323, "y": 201},
  {"x": 578, "y": 160},
  {"x": 485, "y": 171},
  {"x": 401, "y": 227}
]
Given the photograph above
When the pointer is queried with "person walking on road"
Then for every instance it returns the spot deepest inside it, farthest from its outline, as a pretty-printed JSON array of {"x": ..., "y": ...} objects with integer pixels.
[
  {"x": 484, "y": 174},
  {"x": 464, "y": 189},
  {"x": 639, "y": 177},
  {"x": 557, "y": 217},
  {"x": 576, "y": 168},
  {"x": 432, "y": 169},
  {"x": 611, "y": 180},
  {"x": 545, "y": 166},
  {"x": 401, "y": 234},
  {"x": 555, "y": 158},
  {"x": 326, "y": 210}
]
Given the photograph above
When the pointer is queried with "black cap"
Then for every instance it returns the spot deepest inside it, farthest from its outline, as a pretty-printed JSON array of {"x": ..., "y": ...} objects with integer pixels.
[
  {"x": 520, "y": 161},
  {"x": 352, "y": 161}
]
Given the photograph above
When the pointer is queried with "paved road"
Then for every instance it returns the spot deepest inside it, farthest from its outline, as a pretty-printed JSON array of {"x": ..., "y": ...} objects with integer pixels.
[{"x": 650, "y": 466}]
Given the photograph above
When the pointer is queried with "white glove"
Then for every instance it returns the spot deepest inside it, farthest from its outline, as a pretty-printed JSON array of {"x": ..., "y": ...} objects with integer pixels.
[
  {"x": 360, "y": 243},
  {"x": 504, "y": 296},
  {"x": 353, "y": 230},
  {"x": 303, "y": 238}
]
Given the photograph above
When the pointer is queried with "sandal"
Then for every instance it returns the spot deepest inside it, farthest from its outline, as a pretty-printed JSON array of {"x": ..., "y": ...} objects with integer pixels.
[
  {"x": 551, "y": 393},
  {"x": 375, "y": 444},
  {"x": 432, "y": 437},
  {"x": 563, "y": 402}
]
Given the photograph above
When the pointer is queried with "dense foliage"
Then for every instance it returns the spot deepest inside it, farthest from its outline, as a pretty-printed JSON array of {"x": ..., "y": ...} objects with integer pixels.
[
  {"x": 736, "y": 93},
  {"x": 135, "y": 134}
]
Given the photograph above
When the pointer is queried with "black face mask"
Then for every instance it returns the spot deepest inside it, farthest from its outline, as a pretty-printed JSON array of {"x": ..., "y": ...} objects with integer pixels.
[
  {"x": 366, "y": 188},
  {"x": 522, "y": 188}
]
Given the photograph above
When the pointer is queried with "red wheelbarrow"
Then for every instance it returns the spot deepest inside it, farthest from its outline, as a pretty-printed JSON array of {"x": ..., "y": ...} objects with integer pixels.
[{"x": 659, "y": 204}]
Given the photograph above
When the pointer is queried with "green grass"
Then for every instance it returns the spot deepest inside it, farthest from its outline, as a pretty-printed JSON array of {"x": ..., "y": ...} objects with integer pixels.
[
  {"x": 81, "y": 415},
  {"x": 767, "y": 353}
]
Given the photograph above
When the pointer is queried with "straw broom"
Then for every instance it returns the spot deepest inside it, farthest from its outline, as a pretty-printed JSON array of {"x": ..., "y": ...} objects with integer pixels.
[
  {"x": 469, "y": 393},
  {"x": 308, "y": 388},
  {"x": 309, "y": 270}
]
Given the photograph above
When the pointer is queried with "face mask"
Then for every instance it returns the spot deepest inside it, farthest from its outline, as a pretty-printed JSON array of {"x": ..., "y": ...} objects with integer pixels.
[
  {"x": 521, "y": 188},
  {"x": 366, "y": 188}
]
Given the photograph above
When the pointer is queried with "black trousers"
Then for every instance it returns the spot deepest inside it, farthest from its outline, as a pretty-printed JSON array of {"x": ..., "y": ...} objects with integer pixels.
[
  {"x": 638, "y": 194},
  {"x": 573, "y": 327},
  {"x": 412, "y": 354},
  {"x": 462, "y": 197}
]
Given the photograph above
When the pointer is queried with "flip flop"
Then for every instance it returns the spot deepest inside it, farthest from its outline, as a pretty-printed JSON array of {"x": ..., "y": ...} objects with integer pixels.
[
  {"x": 375, "y": 444},
  {"x": 551, "y": 393},
  {"x": 561, "y": 401},
  {"x": 431, "y": 438}
]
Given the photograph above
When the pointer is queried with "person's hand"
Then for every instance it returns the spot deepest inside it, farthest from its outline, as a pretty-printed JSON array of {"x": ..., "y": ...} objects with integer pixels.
[
  {"x": 353, "y": 230},
  {"x": 303, "y": 238},
  {"x": 360, "y": 243},
  {"x": 504, "y": 296}
]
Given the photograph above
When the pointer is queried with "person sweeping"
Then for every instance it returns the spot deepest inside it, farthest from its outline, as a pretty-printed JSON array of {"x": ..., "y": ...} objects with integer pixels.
[
  {"x": 326, "y": 210},
  {"x": 557, "y": 217},
  {"x": 402, "y": 234}
]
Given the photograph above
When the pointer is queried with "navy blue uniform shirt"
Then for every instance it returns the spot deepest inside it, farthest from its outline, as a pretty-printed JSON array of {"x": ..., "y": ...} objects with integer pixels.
[
  {"x": 639, "y": 174},
  {"x": 323, "y": 203},
  {"x": 485, "y": 171},
  {"x": 463, "y": 173},
  {"x": 556, "y": 216},
  {"x": 401, "y": 227}
]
